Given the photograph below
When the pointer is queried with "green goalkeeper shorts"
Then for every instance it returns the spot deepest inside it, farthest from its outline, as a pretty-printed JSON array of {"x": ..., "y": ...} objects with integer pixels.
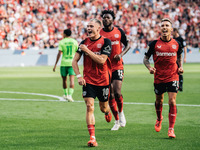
[{"x": 64, "y": 71}]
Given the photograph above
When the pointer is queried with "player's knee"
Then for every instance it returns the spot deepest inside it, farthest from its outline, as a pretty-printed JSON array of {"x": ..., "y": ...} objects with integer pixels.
[
  {"x": 90, "y": 107},
  {"x": 103, "y": 108},
  {"x": 159, "y": 101},
  {"x": 117, "y": 95},
  {"x": 112, "y": 96},
  {"x": 172, "y": 101}
]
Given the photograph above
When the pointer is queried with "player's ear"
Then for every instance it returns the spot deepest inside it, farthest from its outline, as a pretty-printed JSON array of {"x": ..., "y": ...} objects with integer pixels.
[
  {"x": 172, "y": 29},
  {"x": 98, "y": 28}
]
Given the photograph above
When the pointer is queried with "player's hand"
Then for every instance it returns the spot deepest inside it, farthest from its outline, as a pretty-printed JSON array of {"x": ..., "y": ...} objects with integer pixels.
[
  {"x": 117, "y": 57},
  {"x": 81, "y": 81},
  {"x": 54, "y": 68},
  {"x": 83, "y": 47},
  {"x": 152, "y": 70},
  {"x": 184, "y": 60},
  {"x": 180, "y": 70}
]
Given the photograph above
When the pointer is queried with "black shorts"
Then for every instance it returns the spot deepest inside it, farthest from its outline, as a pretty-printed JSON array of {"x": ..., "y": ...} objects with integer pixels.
[
  {"x": 166, "y": 87},
  {"x": 101, "y": 92},
  {"x": 118, "y": 75}
]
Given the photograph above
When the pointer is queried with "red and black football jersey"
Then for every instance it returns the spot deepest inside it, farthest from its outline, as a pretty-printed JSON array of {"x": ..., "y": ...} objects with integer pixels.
[
  {"x": 94, "y": 73},
  {"x": 165, "y": 57},
  {"x": 117, "y": 37}
]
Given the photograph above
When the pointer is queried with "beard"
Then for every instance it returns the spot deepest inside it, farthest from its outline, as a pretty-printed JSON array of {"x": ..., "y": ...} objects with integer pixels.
[{"x": 107, "y": 25}]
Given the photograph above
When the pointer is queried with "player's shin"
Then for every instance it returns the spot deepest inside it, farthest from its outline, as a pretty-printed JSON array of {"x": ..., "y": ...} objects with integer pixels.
[
  {"x": 172, "y": 115},
  {"x": 113, "y": 107},
  {"x": 159, "y": 107},
  {"x": 119, "y": 100},
  {"x": 91, "y": 130}
]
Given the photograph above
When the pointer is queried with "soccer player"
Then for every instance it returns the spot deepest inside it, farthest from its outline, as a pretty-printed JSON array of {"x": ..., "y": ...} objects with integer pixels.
[
  {"x": 67, "y": 48},
  {"x": 118, "y": 39},
  {"x": 183, "y": 44},
  {"x": 166, "y": 53},
  {"x": 96, "y": 74}
]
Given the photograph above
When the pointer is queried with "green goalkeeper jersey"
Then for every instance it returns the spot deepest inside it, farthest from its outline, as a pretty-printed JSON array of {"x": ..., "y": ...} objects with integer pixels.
[{"x": 68, "y": 46}]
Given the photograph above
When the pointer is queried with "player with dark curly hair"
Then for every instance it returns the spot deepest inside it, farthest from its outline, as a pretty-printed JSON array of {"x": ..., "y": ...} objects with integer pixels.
[{"x": 118, "y": 39}]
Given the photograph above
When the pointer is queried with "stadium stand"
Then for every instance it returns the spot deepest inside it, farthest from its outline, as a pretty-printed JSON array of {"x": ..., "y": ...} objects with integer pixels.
[{"x": 38, "y": 24}]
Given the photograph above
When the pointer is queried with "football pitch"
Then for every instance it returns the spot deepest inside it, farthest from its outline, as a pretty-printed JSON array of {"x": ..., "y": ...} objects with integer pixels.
[{"x": 32, "y": 117}]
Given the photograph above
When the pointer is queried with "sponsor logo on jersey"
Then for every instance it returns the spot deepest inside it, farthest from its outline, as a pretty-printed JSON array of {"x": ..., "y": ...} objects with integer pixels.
[
  {"x": 165, "y": 54},
  {"x": 116, "y": 35},
  {"x": 174, "y": 46},
  {"x": 115, "y": 42},
  {"x": 99, "y": 45},
  {"x": 158, "y": 46}
]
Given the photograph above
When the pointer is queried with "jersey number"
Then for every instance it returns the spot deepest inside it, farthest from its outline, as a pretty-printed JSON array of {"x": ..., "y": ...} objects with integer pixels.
[
  {"x": 69, "y": 50},
  {"x": 120, "y": 73},
  {"x": 175, "y": 84},
  {"x": 105, "y": 92}
]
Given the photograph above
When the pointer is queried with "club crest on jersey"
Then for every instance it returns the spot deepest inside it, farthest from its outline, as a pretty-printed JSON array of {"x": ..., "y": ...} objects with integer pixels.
[
  {"x": 99, "y": 45},
  {"x": 174, "y": 46},
  {"x": 116, "y": 35},
  {"x": 158, "y": 46}
]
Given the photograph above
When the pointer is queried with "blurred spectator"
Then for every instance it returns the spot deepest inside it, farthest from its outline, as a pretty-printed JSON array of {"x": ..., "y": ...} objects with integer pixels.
[{"x": 39, "y": 23}]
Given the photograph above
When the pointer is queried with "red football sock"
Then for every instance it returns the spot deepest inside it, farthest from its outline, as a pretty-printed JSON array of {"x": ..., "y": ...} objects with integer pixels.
[
  {"x": 119, "y": 103},
  {"x": 113, "y": 107},
  {"x": 91, "y": 129},
  {"x": 159, "y": 108},
  {"x": 172, "y": 115}
]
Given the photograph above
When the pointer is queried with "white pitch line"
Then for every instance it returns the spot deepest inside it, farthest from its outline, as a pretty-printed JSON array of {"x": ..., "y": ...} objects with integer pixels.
[
  {"x": 48, "y": 95},
  {"x": 61, "y": 99},
  {"x": 129, "y": 103}
]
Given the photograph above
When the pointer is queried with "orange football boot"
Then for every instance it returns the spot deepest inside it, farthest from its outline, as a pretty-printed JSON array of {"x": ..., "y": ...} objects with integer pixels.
[
  {"x": 158, "y": 125},
  {"x": 171, "y": 133},
  {"x": 92, "y": 142},
  {"x": 108, "y": 117}
]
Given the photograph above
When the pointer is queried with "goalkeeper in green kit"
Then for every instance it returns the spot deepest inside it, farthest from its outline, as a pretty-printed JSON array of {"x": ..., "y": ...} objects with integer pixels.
[{"x": 67, "y": 48}]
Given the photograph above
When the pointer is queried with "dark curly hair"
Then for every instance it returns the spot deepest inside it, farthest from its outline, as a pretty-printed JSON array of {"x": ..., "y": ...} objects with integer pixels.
[{"x": 108, "y": 12}]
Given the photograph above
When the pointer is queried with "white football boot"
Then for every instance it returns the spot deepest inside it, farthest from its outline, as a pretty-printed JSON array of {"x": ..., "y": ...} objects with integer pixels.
[
  {"x": 69, "y": 98},
  {"x": 116, "y": 126},
  {"x": 122, "y": 119},
  {"x": 64, "y": 98}
]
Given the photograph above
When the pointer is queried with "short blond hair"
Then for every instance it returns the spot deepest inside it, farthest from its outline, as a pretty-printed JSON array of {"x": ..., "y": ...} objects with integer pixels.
[
  {"x": 166, "y": 19},
  {"x": 96, "y": 20}
]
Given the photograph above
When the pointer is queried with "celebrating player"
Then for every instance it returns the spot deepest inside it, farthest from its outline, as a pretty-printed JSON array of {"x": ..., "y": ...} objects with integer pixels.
[
  {"x": 166, "y": 52},
  {"x": 183, "y": 44},
  {"x": 67, "y": 47},
  {"x": 117, "y": 37},
  {"x": 96, "y": 74}
]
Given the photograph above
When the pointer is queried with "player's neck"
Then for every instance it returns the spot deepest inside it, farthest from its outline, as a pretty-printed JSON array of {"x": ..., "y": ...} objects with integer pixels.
[
  {"x": 165, "y": 38},
  {"x": 177, "y": 35},
  {"x": 96, "y": 37},
  {"x": 109, "y": 28}
]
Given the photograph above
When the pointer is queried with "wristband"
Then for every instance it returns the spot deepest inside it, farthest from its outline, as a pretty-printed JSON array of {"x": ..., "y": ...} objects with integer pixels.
[{"x": 78, "y": 76}]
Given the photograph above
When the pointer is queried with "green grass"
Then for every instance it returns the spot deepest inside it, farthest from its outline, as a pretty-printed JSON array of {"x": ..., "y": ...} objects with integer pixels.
[{"x": 54, "y": 125}]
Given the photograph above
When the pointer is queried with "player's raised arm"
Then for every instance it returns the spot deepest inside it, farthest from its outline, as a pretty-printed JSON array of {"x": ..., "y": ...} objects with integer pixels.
[
  {"x": 105, "y": 52},
  {"x": 125, "y": 42},
  {"x": 100, "y": 59}
]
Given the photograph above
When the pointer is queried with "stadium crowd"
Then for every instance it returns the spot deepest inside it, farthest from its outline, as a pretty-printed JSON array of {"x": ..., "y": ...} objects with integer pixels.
[{"x": 38, "y": 24}]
